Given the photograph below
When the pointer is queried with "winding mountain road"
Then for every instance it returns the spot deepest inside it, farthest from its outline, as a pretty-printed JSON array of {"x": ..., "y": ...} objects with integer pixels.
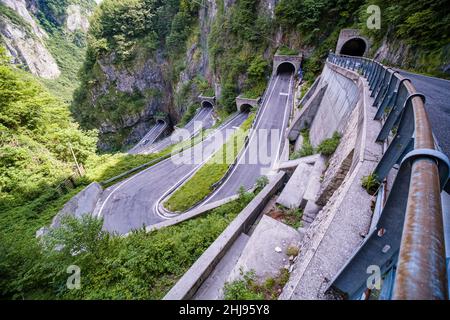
[
  {"x": 155, "y": 132},
  {"x": 202, "y": 120},
  {"x": 130, "y": 204},
  {"x": 272, "y": 120}
]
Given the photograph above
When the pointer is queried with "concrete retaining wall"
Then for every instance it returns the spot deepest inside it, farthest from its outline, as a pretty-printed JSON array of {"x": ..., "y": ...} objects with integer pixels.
[
  {"x": 338, "y": 102},
  {"x": 187, "y": 286},
  {"x": 81, "y": 204},
  {"x": 337, "y": 230}
]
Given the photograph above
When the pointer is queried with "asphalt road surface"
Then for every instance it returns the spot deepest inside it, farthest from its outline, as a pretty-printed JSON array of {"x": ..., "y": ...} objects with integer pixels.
[
  {"x": 130, "y": 205},
  {"x": 202, "y": 120},
  {"x": 274, "y": 116},
  {"x": 154, "y": 133},
  {"x": 437, "y": 92}
]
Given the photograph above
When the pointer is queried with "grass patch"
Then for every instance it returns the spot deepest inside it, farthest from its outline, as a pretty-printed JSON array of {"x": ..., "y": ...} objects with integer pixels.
[
  {"x": 248, "y": 288},
  {"x": 307, "y": 148},
  {"x": 286, "y": 51},
  {"x": 371, "y": 184},
  {"x": 290, "y": 217},
  {"x": 141, "y": 266},
  {"x": 329, "y": 146},
  {"x": 199, "y": 186},
  {"x": 189, "y": 114},
  {"x": 256, "y": 91}
]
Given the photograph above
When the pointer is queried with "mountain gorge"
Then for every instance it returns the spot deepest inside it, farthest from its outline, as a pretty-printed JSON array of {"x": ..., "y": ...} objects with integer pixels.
[
  {"x": 48, "y": 39},
  {"x": 82, "y": 81},
  {"x": 149, "y": 59}
]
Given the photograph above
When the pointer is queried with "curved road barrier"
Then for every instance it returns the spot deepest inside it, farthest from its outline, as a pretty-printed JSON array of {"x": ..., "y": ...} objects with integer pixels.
[{"x": 409, "y": 225}]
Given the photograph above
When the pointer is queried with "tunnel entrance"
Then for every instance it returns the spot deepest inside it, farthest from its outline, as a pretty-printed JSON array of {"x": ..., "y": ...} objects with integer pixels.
[
  {"x": 159, "y": 121},
  {"x": 354, "y": 47},
  {"x": 286, "y": 67},
  {"x": 207, "y": 104},
  {"x": 246, "y": 108}
]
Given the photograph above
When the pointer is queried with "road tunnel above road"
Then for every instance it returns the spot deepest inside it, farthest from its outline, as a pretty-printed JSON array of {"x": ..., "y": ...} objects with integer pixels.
[
  {"x": 286, "y": 67},
  {"x": 354, "y": 47},
  {"x": 207, "y": 104}
]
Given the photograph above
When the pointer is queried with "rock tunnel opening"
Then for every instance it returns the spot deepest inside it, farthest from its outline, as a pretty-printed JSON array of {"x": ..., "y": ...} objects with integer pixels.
[
  {"x": 160, "y": 121},
  {"x": 354, "y": 47},
  {"x": 286, "y": 67},
  {"x": 207, "y": 104},
  {"x": 245, "y": 108}
]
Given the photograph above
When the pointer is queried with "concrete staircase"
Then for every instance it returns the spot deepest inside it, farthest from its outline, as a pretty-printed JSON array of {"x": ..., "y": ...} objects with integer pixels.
[
  {"x": 312, "y": 192},
  {"x": 302, "y": 190}
]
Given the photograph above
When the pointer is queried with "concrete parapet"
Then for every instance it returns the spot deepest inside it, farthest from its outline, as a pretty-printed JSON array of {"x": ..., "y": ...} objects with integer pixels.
[
  {"x": 294, "y": 60},
  {"x": 187, "y": 286},
  {"x": 245, "y": 104},
  {"x": 206, "y": 101},
  {"x": 83, "y": 203},
  {"x": 292, "y": 195},
  {"x": 337, "y": 230}
]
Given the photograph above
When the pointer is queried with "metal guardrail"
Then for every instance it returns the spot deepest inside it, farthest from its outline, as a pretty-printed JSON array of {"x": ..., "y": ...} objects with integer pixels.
[{"x": 410, "y": 226}]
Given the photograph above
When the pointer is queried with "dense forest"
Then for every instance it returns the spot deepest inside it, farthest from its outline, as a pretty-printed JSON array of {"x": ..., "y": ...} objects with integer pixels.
[{"x": 168, "y": 52}]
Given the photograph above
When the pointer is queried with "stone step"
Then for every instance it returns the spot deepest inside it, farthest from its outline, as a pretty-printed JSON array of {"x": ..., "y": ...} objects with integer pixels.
[
  {"x": 292, "y": 195},
  {"x": 265, "y": 252},
  {"x": 314, "y": 183}
]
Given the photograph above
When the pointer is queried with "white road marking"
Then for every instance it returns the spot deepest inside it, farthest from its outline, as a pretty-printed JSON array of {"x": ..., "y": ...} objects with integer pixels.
[
  {"x": 287, "y": 108},
  {"x": 254, "y": 134},
  {"x": 121, "y": 185}
]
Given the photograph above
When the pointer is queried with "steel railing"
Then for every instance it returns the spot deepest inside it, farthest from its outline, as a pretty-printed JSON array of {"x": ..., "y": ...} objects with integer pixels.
[{"x": 413, "y": 209}]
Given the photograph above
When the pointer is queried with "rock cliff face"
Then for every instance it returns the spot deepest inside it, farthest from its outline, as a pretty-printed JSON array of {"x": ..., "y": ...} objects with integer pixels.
[
  {"x": 25, "y": 38},
  {"x": 145, "y": 81},
  {"x": 164, "y": 83}
]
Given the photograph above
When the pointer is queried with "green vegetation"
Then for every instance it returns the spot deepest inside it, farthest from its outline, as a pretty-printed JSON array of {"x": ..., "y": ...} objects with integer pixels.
[
  {"x": 329, "y": 146},
  {"x": 199, "y": 186},
  {"x": 237, "y": 43},
  {"x": 141, "y": 266},
  {"x": 291, "y": 217},
  {"x": 248, "y": 287},
  {"x": 286, "y": 51},
  {"x": 293, "y": 251},
  {"x": 69, "y": 57},
  {"x": 304, "y": 90},
  {"x": 423, "y": 25},
  {"x": 371, "y": 184},
  {"x": 189, "y": 114},
  {"x": 262, "y": 182},
  {"x": 36, "y": 132},
  {"x": 307, "y": 148}
]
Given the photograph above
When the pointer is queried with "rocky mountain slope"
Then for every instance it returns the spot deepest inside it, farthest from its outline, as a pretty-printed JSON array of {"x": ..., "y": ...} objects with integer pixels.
[
  {"x": 140, "y": 66},
  {"x": 39, "y": 33}
]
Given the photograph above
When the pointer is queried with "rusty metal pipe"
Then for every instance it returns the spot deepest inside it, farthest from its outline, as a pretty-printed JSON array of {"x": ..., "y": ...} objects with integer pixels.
[
  {"x": 421, "y": 270},
  {"x": 421, "y": 273}
]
